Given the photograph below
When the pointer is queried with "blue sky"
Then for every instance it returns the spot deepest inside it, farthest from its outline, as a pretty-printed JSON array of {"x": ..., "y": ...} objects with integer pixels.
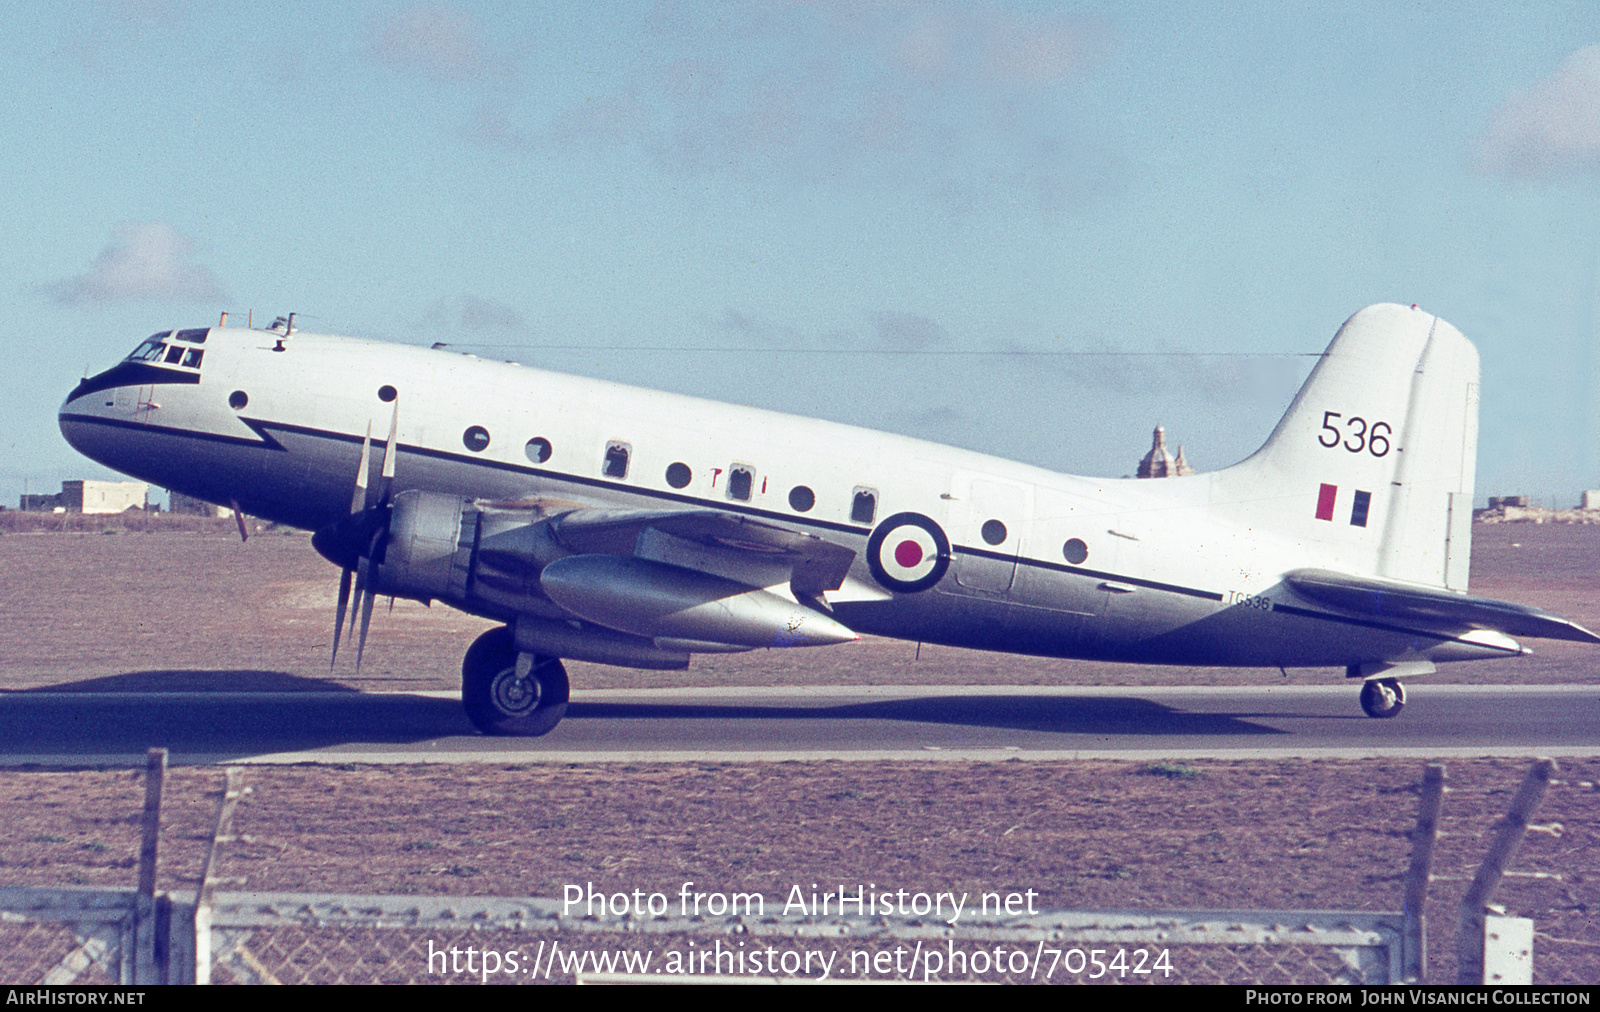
[{"x": 877, "y": 213}]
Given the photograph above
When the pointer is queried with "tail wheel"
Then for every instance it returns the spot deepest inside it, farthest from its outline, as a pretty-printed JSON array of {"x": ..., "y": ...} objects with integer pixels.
[
  {"x": 499, "y": 701},
  {"x": 1382, "y": 697}
]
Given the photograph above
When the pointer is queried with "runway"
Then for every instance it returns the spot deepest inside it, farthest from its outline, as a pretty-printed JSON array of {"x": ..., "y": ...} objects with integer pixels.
[{"x": 987, "y": 723}]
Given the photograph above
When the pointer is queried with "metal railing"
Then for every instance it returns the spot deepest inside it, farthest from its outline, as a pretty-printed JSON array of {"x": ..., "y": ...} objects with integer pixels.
[{"x": 95, "y": 935}]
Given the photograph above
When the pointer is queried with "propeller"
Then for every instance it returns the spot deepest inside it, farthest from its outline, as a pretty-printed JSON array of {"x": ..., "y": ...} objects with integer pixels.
[{"x": 354, "y": 542}]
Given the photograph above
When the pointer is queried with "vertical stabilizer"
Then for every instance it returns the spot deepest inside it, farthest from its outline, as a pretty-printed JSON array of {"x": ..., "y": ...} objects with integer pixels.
[{"x": 1371, "y": 469}]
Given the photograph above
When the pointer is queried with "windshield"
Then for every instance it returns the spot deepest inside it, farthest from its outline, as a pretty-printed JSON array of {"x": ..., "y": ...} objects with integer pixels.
[{"x": 172, "y": 348}]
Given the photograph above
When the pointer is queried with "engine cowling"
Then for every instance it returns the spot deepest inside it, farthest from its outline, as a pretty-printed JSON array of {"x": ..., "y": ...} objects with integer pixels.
[{"x": 508, "y": 563}]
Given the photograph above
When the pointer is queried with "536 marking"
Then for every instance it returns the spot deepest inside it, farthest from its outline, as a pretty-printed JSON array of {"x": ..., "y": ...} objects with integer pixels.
[
  {"x": 1357, "y": 435},
  {"x": 1246, "y": 600}
]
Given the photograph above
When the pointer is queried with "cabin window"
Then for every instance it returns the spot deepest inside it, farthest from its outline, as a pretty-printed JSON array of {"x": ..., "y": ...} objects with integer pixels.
[
  {"x": 192, "y": 360},
  {"x": 740, "y": 480},
  {"x": 195, "y": 336},
  {"x": 173, "y": 354},
  {"x": 238, "y": 399},
  {"x": 476, "y": 438},
  {"x": 149, "y": 351},
  {"x": 616, "y": 463},
  {"x": 993, "y": 531},
  {"x": 538, "y": 449},
  {"x": 1075, "y": 551},
  {"x": 679, "y": 475},
  {"x": 387, "y": 393},
  {"x": 864, "y": 505},
  {"x": 801, "y": 499}
]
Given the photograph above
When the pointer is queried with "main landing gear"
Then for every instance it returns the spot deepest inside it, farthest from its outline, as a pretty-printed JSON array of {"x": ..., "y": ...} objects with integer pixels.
[
  {"x": 507, "y": 692},
  {"x": 1382, "y": 697}
]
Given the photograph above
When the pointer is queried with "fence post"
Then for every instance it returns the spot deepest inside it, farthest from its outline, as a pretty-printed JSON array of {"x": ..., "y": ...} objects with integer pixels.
[
  {"x": 1414, "y": 953},
  {"x": 150, "y": 947},
  {"x": 202, "y": 899},
  {"x": 1508, "y": 834}
]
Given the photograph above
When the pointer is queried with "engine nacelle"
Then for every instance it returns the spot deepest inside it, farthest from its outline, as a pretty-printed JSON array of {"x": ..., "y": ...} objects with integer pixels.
[
  {"x": 479, "y": 558},
  {"x": 659, "y": 600},
  {"x": 509, "y": 563},
  {"x": 487, "y": 560}
]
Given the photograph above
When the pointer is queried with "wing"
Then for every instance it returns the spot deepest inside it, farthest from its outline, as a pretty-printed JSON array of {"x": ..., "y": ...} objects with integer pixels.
[
  {"x": 1377, "y": 598},
  {"x": 736, "y": 547}
]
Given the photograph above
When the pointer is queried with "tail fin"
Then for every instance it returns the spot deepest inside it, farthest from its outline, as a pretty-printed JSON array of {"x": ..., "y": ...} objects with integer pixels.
[{"x": 1371, "y": 470}]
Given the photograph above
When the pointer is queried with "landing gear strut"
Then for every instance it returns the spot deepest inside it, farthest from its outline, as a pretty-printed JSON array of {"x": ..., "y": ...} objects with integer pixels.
[
  {"x": 508, "y": 693},
  {"x": 1382, "y": 697}
]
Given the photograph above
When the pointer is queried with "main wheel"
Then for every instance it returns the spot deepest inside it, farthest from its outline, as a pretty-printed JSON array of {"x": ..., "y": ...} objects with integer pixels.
[
  {"x": 1382, "y": 697},
  {"x": 499, "y": 702}
]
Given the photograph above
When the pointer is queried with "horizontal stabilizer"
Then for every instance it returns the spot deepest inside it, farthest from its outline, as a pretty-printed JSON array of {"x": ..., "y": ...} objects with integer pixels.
[{"x": 1364, "y": 595}]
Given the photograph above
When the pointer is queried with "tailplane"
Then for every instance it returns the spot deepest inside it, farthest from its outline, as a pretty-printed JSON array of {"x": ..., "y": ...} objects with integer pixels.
[{"x": 1372, "y": 466}]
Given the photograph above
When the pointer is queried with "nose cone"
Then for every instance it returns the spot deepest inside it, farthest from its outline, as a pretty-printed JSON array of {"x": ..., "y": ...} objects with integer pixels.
[
  {"x": 73, "y": 417},
  {"x": 91, "y": 420}
]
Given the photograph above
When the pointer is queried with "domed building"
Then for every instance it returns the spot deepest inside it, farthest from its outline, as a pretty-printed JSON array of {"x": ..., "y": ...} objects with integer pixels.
[{"x": 1158, "y": 463}]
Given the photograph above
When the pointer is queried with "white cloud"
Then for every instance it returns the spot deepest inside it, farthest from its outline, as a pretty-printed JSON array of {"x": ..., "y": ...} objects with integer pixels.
[
  {"x": 1552, "y": 128},
  {"x": 145, "y": 260},
  {"x": 958, "y": 101},
  {"x": 435, "y": 40},
  {"x": 908, "y": 331},
  {"x": 990, "y": 45},
  {"x": 487, "y": 314},
  {"x": 470, "y": 312}
]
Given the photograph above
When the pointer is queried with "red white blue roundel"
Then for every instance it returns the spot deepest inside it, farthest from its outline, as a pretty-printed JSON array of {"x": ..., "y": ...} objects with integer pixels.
[{"x": 908, "y": 552}]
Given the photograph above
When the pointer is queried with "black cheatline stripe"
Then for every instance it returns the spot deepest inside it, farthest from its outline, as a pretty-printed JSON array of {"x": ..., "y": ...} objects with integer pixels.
[
  {"x": 131, "y": 374},
  {"x": 1369, "y": 624},
  {"x": 262, "y": 427},
  {"x": 1094, "y": 574},
  {"x": 266, "y": 442}
]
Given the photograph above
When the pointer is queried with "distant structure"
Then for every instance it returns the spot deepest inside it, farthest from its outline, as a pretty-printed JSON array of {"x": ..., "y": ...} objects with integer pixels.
[
  {"x": 1158, "y": 463},
  {"x": 1590, "y": 500},
  {"x": 91, "y": 497},
  {"x": 1500, "y": 502},
  {"x": 188, "y": 505}
]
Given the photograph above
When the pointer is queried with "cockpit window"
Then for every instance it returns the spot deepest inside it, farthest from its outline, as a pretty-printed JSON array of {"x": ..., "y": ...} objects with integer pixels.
[
  {"x": 150, "y": 351},
  {"x": 164, "y": 348}
]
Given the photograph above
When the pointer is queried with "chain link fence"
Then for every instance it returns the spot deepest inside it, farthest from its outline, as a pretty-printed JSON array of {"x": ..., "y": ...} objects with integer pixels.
[
  {"x": 93, "y": 935},
  {"x": 85, "y": 936}
]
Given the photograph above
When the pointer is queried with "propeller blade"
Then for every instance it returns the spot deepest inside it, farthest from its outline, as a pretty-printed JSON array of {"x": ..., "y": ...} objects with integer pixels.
[
  {"x": 339, "y": 542},
  {"x": 389, "y": 452},
  {"x": 367, "y": 594},
  {"x": 362, "y": 569},
  {"x": 338, "y": 622},
  {"x": 366, "y": 620},
  {"x": 358, "y": 501}
]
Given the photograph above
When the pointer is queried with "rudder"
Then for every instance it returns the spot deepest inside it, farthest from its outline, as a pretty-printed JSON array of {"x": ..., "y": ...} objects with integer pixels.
[{"x": 1372, "y": 467}]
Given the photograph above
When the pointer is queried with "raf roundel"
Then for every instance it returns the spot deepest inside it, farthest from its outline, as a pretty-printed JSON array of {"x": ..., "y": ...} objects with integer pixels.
[{"x": 908, "y": 552}]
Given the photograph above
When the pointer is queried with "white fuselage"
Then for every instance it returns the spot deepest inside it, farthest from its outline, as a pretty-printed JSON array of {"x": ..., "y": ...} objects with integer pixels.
[{"x": 1169, "y": 570}]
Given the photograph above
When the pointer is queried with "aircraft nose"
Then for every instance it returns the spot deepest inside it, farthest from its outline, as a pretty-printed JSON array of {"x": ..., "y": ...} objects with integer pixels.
[
  {"x": 73, "y": 429},
  {"x": 82, "y": 414}
]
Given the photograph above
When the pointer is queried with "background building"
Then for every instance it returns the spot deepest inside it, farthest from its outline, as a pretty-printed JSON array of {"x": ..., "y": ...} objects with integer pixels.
[
  {"x": 1158, "y": 463},
  {"x": 92, "y": 497}
]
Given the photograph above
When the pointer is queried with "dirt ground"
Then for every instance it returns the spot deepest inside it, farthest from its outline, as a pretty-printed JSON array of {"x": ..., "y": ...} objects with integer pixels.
[{"x": 196, "y": 609}]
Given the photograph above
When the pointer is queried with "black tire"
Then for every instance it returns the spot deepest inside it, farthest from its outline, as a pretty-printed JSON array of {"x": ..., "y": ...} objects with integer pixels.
[
  {"x": 497, "y": 702},
  {"x": 1383, "y": 697}
]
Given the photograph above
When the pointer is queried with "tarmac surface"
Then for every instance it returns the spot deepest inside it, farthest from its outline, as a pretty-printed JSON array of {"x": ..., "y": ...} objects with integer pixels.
[{"x": 797, "y": 722}]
